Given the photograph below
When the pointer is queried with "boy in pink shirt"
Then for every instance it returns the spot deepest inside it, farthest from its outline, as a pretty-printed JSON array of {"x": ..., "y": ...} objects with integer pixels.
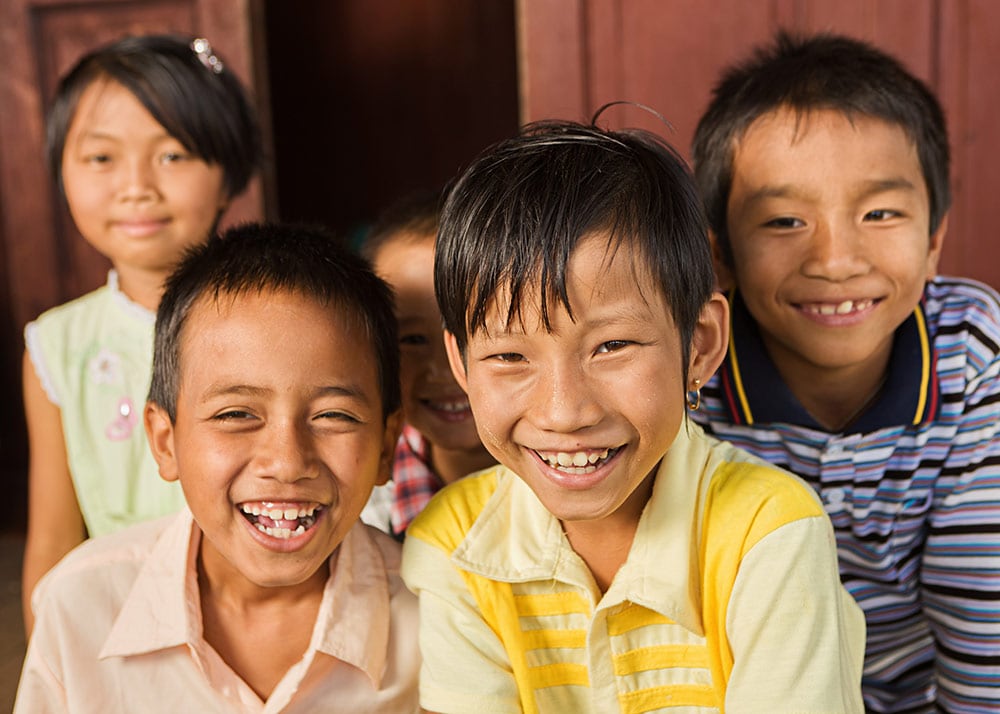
[{"x": 275, "y": 403}]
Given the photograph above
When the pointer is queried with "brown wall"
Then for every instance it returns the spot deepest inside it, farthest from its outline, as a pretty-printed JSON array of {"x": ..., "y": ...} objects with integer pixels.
[
  {"x": 578, "y": 54},
  {"x": 372, "y": 100}
]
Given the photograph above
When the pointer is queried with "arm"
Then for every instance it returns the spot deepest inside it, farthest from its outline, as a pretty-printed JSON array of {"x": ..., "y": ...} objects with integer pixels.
[
  {"x": 797, "y": 637},
  {"x": 55, "y": 522},
  {"x": 465, "y": 666},
  {"x": 960, "y": 569}
]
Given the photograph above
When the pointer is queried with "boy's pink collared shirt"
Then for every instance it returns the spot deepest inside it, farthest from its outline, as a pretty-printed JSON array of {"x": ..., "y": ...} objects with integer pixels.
[{"x": 119, "y": 630}]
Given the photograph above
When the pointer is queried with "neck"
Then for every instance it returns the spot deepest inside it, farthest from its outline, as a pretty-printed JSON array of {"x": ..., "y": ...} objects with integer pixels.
[
  {"x": 144, "y": 287},
  {"x": 604, "y": 544},
  {"x": 836, "y": 400},
  {"x": 452, "y": 464},
  {"x": 281, "y": 621}
]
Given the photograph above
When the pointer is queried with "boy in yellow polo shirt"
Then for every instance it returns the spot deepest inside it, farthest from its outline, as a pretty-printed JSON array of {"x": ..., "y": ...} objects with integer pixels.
[{"x": 618, "y": 559}]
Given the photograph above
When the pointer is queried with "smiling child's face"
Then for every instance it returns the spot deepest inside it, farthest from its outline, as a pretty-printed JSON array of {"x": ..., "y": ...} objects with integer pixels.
[
  {"x": 584, "y": 412},
  {"x": 828, "y": 222},
  {"x": 135, "y": 193},
  {"x": 433, "y": 402},
  {"x": 279, "y": 434}
]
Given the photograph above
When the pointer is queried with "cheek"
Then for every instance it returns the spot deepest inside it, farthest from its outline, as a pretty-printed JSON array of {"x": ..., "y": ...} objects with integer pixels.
[{"x": 409, "y": 372}]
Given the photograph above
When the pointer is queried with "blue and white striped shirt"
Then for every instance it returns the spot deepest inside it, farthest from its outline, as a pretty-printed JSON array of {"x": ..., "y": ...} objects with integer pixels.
[{"x": 912, "y": 488}]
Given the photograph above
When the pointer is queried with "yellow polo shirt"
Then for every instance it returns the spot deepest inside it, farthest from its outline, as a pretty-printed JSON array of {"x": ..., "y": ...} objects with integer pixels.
[{"x": 730, "y": 599}]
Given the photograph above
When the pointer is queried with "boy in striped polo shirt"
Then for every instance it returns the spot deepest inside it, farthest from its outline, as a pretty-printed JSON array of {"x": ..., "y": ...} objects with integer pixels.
[
  {"x": 618, "y": 559},
  {"x": 823, "y": 166}
]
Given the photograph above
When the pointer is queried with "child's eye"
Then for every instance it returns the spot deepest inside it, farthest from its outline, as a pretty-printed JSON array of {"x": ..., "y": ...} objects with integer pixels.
[
  {"x": 339, "y": 416},
  {"x": 233, "y": 415},
  {"x": 784, "y": 222},
  {"x": 97, "y": 159},
  {"x": 881, "y": 214},
  {"x": 509, "y": 357},
  {"x": 413, "y": 339},
  {"x": 612, "y": 346},
  {"x": 172, "y": 157}
]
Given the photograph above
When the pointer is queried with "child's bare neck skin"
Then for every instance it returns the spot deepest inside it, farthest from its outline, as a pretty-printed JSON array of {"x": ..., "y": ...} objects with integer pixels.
[
  {"x": 604, "y": 545},
  {"x": 835, "y": 399},
  {"x": 453, "y": 464},
  {"x": 142, "y": 287},
  {"x": 281, "y": 621}
]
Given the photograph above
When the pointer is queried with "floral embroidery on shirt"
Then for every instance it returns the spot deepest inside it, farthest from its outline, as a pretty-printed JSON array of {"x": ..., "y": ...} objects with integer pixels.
[
  {"x": 121, "y": 428},
  {"x": 105, "y": 367}
]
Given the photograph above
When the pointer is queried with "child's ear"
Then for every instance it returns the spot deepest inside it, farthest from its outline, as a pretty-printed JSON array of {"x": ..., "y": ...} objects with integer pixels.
[
  {"x": 723, "y": 273},
  {"x": 710, "y": 339},
  {"x": 393, "y": 427},
  {"x": 934, "y": 249},
  {"x": 456, "y": 360},
  {"x": 160, "y": 434}
]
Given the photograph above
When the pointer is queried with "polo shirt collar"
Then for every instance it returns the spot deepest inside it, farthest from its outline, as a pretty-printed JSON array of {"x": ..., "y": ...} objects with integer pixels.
[
  {"x": 515, "y": 539},
  {"x": 753, "y": 392},
  {"x": 163, "y": 608}
]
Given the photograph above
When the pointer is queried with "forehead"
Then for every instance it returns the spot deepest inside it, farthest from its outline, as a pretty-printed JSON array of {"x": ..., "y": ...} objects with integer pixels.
[
  {"x": 788, "y": 152},
  {"x": 824, "y": 133},
  {"x": 107, "y": 110},
  {"x": 260, "y": 324},
  {"x": 602, "y": 272}
]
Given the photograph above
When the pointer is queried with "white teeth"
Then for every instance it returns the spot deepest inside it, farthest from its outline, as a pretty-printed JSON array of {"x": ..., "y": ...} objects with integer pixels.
[
  {"x": 256, "y": 510},
  {"x": 577, "y": 459},
  {"x": 841, "y": 308},
  {"x": 291, "y": 514},
  {"x": 275, "y": 514},
  {"x": 282, "y": 533}
]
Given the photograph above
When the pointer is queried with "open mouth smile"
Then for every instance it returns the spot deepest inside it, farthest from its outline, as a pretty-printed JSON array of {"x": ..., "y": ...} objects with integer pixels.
[
  {"x": 578, "y": 462},
  {"x": 281, "y": 520}
]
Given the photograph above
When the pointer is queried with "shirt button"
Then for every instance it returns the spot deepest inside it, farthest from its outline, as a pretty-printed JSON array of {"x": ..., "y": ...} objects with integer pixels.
[{"x": 835, "y": 496}]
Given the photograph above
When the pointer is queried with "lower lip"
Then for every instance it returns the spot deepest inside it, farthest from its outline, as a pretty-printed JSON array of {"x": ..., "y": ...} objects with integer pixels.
[
  {"x": 283, "y": 545},
  {"x": 141, "y": 230},
  {"x": 577, "y": 482},
  {"x": 846, "y": 320}
]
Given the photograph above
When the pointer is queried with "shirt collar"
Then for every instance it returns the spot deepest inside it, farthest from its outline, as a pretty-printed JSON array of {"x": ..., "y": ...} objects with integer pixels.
[
  {"x": 163, "y": 609},
  {"x": 754, "y": 392},
  {"x": 537, "y": 549}
]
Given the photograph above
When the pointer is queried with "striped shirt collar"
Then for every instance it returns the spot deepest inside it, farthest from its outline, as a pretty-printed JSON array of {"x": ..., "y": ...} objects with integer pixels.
[{"x": 754, "y": 392}]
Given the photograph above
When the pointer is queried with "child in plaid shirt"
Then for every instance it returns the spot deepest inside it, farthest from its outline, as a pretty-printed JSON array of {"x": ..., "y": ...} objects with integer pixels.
[{"x": 439, "y": 443}]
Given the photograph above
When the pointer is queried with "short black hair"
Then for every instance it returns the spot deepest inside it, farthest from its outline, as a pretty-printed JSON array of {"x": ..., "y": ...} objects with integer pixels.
[
  {"x": 208, "y": 112},
  {"x": 417, "y": 214},
  {"x": 259, "y": 257},
  {"x": 811, "y": 73},
  {"x": 514, "y": 217}
]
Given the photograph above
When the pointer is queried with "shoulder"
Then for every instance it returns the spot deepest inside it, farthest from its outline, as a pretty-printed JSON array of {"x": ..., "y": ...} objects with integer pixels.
[
  {"x": 454, "y": 509},
  {"x": 68, "y": 312},
  {"x": 100, "y": 571},
  {"x": 951, "y": 303},
  {"x": 747, "y": 492}
]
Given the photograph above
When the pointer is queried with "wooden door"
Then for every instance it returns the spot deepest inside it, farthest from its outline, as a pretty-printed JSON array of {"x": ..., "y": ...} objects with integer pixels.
[
  {"x": 578, "y": 54},
  {"x": 43, "y": 260}
]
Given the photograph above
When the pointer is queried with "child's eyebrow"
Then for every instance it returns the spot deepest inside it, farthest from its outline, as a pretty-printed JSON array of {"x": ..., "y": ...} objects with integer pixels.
[
  {"x": 877, "y": 186},
  {"x": 867, "y": 189},
  {"x": 248, "y": 390}
]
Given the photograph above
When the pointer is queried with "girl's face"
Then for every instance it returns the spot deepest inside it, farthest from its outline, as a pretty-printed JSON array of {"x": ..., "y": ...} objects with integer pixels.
[
  {"x": 433, "y": 402},
  {"x": 135, "y": 193}
]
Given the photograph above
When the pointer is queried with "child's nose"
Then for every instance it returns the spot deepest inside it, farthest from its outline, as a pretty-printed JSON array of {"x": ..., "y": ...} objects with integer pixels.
[
  {"x": 288, "y": 453},
  {"x": 835, "y": 251},
  {"x": 137, "y": 180},
  {"x": 566, "y": 400}
]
